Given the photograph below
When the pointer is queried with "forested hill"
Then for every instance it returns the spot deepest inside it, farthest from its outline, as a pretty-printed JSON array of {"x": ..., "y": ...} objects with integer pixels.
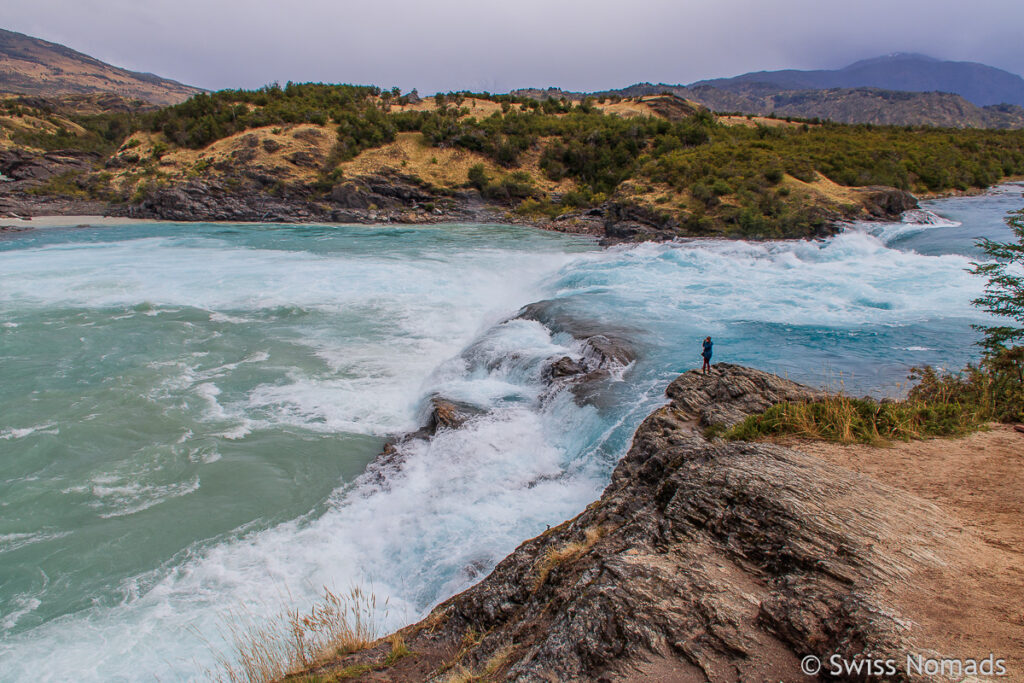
[{"x": 626, "y": 168}]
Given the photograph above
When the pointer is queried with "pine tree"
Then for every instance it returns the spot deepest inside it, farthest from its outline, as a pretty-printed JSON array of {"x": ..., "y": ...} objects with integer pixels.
[
  {"x": 1004, "y": 292},
  {"x": 1004, "y": 344}
]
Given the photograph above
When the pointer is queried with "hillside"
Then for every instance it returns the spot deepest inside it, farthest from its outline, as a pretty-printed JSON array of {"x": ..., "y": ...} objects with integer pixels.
[
  {"x": 651, "y": 167},
  {"x": 37, "y": 67},
  {"x": 977, "y": 83}
]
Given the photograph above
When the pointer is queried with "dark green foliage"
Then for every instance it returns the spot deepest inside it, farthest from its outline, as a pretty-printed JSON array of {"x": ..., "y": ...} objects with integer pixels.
[
  {"x": 1004, "y": 292},
  {"x": 207, "y": 117},
  {"x": 478, "y": 176},
  {"x": 515, "y": 186},
  {"x": 751, "y": 160},
  {"x": 999, "y": 381},
  {"x": 994, "y": 389}
]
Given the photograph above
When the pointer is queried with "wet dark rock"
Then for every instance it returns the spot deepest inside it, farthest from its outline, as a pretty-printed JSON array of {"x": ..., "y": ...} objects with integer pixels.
[
  {"x": 887, "y": 203},
  {"x": 564, "y": 367},
  {"x": 446, "y": 414},
  {"x": 350, "y": 196},
  {"x": 607, "y": 351}
]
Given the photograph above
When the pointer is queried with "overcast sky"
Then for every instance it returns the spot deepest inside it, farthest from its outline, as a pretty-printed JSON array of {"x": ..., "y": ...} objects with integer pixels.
[{"x": 455, "y": 44}]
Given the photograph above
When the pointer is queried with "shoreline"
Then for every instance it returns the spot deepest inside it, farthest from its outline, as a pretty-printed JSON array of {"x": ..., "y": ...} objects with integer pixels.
[
  {"x": 607, "y": 232},
  {"x": 612, "y": 222}
]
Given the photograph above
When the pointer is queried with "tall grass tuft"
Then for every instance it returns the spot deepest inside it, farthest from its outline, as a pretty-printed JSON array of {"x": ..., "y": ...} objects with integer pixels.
[
  {"x": 858, "y": 420},
  {"x": 264, "y": 650}
]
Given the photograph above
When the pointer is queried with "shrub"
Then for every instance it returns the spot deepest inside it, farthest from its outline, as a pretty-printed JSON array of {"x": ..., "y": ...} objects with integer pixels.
[{"x": 477, "y": 176}]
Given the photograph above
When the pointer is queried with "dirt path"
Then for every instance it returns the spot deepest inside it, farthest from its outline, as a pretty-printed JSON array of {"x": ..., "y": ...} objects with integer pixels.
[{"x": 976, "y": 604}]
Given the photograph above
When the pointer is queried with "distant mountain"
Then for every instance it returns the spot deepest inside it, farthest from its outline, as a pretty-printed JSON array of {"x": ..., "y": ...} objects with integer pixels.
[
  {"x": 977, "y": 83},
  {"x": 37, "y": 67},
  {"x": 843, "y": 105}
]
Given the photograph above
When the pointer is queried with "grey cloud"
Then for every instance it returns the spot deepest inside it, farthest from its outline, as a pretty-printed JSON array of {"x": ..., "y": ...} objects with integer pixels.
[{"x": 454, "y": 44}]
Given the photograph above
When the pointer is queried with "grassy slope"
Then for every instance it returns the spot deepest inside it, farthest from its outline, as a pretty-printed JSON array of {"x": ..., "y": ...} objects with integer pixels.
[{"x": 750, "y": 176}]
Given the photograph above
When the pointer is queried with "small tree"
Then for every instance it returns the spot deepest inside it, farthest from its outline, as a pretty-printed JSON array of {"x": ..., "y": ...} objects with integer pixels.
[
  {"x": 1004, "y": 296},
  {"x": 1004, "y": 292}
]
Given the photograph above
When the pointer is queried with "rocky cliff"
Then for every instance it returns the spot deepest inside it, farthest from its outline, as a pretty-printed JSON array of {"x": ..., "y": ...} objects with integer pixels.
[{"x": 702, "y": 560}]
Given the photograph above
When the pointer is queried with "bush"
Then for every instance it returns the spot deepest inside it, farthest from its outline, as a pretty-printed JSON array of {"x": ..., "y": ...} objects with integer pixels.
[{"x": 477, "y": 176}]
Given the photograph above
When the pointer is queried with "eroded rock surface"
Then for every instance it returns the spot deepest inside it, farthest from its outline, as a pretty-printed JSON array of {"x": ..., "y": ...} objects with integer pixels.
[
  {"x": 701, "y": 561},
  {"x": 730, "y": 393}
]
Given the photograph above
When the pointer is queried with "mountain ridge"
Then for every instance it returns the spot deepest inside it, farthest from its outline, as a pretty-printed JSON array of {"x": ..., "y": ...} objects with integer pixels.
[
  {"x": 977, "y": 83},
  {"x": 33, "y": 66}
]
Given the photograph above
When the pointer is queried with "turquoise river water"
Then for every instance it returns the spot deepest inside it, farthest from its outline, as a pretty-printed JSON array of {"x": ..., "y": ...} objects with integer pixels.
[{"x": 186, "y": 409}]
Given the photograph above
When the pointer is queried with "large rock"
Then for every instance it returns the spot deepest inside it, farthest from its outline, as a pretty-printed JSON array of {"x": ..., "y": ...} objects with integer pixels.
[
  {"x": 729, "y": 393},
  {"x": 887, "y": 203},
  {"x": 21, "y": 164},
  {"x": 700, "y": 562}
]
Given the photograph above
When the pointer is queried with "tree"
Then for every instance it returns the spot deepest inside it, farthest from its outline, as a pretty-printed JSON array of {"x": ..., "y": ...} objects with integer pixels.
[
  {"x": 1004, "y": 296},
  {"x": 1004, "y": 292}
]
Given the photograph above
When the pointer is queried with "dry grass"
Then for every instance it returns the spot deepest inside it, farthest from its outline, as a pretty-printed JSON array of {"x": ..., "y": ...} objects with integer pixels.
[
  {"x": 270, "y": 148},
  {"x": 570, "y": 551},
  {"x": 755, "y": 121},
  {"x": 443, "y": 166},
  {"x": 292, "y": 641},
  {"x": 854, "y": 420},
  {"x": 460, "y": 674},
  {"x": 410, "y": 154},
  {"x": 398, "y": 650},
  {"x": 32, "y": 124}
]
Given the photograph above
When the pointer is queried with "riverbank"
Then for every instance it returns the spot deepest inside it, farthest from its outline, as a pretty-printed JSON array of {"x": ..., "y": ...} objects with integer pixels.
[
  {"x": 706, "y": 560},
  {"x": 392, "y": 199}
]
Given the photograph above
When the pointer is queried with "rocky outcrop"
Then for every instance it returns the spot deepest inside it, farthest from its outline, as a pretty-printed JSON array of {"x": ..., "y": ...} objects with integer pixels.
[
  {"x": 258, "y": 196},
  {"x": 22, "y": 164},
  {"x": 730, "y": 393},
  {"x": 887, "y": 203},
  {"x": 702, "y": 560}
]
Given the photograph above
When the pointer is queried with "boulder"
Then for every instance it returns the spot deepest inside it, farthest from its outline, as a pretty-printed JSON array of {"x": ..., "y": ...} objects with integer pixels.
[{"x": 887, "y": 203}]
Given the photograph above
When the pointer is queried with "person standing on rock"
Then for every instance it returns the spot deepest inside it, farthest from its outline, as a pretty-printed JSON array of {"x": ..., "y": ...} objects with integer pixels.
[{"x": 706, "y": 354}]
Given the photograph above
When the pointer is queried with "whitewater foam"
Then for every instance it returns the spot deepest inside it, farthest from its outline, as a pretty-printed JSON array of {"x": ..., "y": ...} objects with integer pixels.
[{"x": 326, "y": 346}]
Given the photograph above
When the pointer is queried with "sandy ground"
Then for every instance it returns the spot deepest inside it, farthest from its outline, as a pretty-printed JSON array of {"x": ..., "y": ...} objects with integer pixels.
[
  {"x": 975, "y": 604},
  {"x": 71, "y": 221}
]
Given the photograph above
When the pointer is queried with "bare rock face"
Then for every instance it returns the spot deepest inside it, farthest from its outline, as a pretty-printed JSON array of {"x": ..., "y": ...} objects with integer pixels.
[
  {"x": 887, "y": 203},
  {"x": 702, "y": 561}
]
